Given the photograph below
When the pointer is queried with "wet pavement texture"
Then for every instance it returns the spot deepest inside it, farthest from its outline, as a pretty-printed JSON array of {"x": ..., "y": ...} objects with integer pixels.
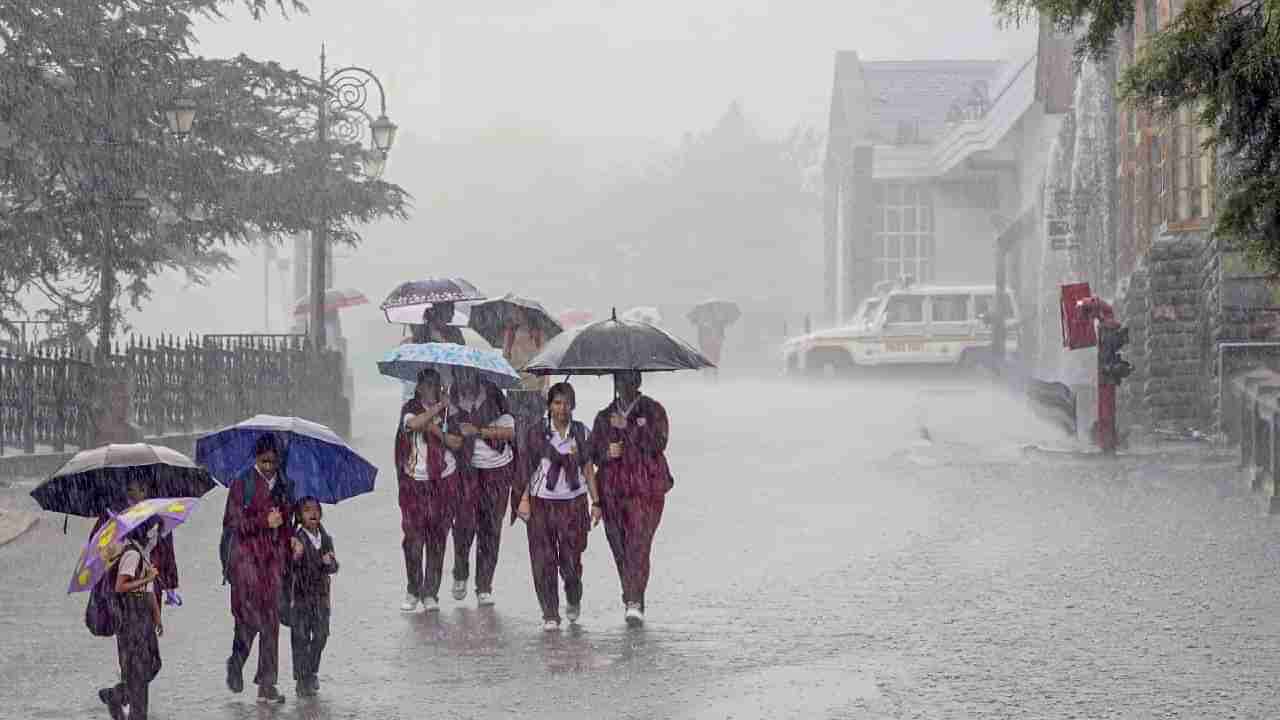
[{"x": 817, "y": 559}]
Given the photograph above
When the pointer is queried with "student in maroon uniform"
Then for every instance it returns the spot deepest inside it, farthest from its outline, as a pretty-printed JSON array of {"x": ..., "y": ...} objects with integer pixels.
[
  {"x": 260, "y": 525},
  {"x": 629, "y": 442},
  {"x": 427, "y": 472},
  {"x": 479, "y": 430},
  {"x": 553, "y": 488},
  {"x": 160, "y": 555}
]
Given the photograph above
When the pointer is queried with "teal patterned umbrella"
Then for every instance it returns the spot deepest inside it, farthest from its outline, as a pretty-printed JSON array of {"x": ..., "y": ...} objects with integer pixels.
[{"x": 405, "y": 362}]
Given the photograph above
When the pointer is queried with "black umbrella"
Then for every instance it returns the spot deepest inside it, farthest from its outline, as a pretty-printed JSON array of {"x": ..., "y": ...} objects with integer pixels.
[
  {"x": 615, "y": 345},
  {"x": 717, "y": 313},
  {"x": 491, "y": 318},
  {"x": 94, "y": 481},
  {"x": 409, "y": 300}
]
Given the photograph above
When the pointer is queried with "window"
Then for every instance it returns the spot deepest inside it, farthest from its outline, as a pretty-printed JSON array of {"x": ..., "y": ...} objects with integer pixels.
[
  {"x": 950, "y": 308},
  {"x": 905, "y": 309},
  {"x": 1192, "y": 196},
  {"x": 904, "y": 227},
  {"x": 982, "y": 306}
]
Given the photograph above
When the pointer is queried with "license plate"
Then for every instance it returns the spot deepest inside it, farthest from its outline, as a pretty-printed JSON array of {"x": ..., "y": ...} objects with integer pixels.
[{"x": 904, "y": 347}]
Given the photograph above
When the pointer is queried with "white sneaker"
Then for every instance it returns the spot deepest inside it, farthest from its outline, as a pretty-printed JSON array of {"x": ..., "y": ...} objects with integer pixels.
[
  {"x": 431, "y": 604},
  {"x": 634, "y": 616},
  {"x": 573, "y": 612},
  {"x": 410, "y": 604},
  {"x": 551, "y": 626},
  {"x": 484, "y": 598},
  {"x": 459, "y": 589}
]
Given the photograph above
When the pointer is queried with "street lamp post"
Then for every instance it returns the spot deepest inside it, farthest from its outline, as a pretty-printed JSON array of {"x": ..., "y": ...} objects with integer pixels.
[
  {"x": 179, "y": 116},
  {"x": 344, "y": 95}
]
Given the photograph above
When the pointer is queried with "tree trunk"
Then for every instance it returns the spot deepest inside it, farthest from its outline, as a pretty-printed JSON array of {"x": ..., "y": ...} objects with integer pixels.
[{"x": 106, "y": 296}]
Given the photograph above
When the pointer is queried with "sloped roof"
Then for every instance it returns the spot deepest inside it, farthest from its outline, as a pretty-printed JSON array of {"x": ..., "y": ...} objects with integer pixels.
[{"x": 921, "y": 92}]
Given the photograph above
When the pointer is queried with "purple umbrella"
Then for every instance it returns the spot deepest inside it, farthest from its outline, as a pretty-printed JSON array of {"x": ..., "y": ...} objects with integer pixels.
[{"x": 106, "y": 545}]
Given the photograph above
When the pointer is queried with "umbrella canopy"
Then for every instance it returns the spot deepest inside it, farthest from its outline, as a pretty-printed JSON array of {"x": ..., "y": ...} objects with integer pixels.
[
  {"x": 104, "y": 548},
  {"x": 409, "y": 300},
  {"x": 404, "y": 362},
  {"x": 643, "y": 314},
  {"x": 334, "y": 299},
  {"x": 314, "y": 460},
  {"x": 93, "y": 482},
  {"x": 575, "y": 317},
  {"x": 614, "y": 345},
  {"x": 716, "y": 313},
  {"x": 491, "y": 318}
]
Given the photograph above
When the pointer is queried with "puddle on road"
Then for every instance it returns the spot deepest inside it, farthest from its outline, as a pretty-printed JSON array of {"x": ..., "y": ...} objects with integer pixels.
[{"x": 791, "y": 691}]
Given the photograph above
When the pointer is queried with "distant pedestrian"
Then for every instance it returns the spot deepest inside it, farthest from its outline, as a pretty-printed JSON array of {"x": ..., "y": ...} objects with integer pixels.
[
  {"x": 521, "y": 343},
  {"x": 435, "y": 329},
  {"x": 553, "y": 504},
  {"x": 137, "y": 636},
  {"x": 312, "y": 563},
  {"x": 258, "y": 517},
  {"x": 629, "y": 442},
  {"x": 429, "y": 490},
  {"x": 480, "y": 430},
  {"x": 711, "y": 341}
]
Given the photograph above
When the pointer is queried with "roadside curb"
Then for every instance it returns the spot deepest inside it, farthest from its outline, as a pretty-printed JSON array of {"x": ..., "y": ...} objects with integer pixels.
[{"x": 14, "y": 524}]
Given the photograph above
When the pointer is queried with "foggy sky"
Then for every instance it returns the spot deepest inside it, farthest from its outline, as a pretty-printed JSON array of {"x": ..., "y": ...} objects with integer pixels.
[{"x": 612, "y": 83}]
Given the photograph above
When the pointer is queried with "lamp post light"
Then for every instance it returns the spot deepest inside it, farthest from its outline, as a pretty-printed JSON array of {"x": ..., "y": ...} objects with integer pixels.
[
  {"x": 344, "y": 93},
  {"x": 180, "y": 115}
]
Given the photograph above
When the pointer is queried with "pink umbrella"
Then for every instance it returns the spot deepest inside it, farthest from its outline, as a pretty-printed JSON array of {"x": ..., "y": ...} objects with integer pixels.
[
  {"x": 106, "y": 545},
  {"x": 334, "y": 299},
  {"x": 575, "y": 317}
]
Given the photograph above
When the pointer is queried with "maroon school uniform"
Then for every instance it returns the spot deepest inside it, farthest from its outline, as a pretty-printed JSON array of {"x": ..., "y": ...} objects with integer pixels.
[
  {"x": 632, "y": 488},
  {"x": 257, "y": 571},
  {"x": 557, "y": 528},
  {"x": 484, "y": 490},
  {"x": 427, "y": 507}
]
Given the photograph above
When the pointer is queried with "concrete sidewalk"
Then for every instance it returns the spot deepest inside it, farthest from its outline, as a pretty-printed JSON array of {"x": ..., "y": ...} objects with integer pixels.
[{"x": 14, "y": 524}]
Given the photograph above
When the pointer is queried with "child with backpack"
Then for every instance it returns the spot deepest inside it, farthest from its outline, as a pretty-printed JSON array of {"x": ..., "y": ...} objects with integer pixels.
[
  {"x": 138, "y": 629},
  {"x": 311, "y": 563}
]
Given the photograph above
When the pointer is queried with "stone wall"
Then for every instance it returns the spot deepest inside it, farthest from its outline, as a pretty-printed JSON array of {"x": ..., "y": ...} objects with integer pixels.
[
  {"x": 1173, "y": 390},
  {"x": 1133, "y": 309}
]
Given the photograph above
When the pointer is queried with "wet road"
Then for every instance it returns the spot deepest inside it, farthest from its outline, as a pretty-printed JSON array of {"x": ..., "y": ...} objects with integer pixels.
[{"x": 817, "y": 559}]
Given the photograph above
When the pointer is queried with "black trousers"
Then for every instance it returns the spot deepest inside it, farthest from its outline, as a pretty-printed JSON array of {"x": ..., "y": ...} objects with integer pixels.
[
  {"x": 268, "y": 649},
  {"x": 139, "y": 652},
  {"x": 309, "y": 631}
]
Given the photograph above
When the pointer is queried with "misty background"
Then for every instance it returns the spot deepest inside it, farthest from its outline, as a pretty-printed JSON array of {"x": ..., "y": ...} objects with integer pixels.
[{"x": 587, "y": 154}]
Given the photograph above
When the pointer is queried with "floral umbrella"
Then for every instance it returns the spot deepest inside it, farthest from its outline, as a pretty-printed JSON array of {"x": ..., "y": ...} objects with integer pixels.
[{"x": 105, "y": 546}]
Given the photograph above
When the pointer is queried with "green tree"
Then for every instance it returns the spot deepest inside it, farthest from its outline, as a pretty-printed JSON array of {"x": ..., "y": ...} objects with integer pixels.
[
  {"x": 97, "y": 198},
  {"x": 1221, "y": 57}
]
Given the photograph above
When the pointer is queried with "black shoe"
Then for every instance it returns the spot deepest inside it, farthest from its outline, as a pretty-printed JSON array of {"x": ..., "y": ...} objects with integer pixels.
[
  {"x": 269, "y": 694},
  {"x": 108, "y": 698},
  {"x": 314, "y": 684},
  {"x": 235, "y": 681},
  {"x": 302, "y": 689}
]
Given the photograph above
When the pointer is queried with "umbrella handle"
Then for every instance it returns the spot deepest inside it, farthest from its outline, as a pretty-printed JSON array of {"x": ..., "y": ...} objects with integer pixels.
[{"x": 65, "y": 519}]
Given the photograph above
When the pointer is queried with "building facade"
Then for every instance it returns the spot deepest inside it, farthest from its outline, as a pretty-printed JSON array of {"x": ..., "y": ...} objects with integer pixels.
[{"x": 928, "y": 163}]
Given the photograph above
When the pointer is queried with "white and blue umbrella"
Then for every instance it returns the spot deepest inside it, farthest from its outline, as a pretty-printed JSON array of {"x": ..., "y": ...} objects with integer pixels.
[
  {"x": 314, "y": 460},
  {"x": 404, "y": 362}
]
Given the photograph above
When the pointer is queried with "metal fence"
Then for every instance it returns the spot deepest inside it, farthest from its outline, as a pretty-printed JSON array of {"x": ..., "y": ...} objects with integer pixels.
[
  {"x": 55, "y": 397},
  {"x": 1255, "y": 402}
]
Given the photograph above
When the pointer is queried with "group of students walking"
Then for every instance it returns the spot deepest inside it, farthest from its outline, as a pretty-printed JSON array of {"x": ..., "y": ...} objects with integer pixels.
[{"x": 460, "y": 461}]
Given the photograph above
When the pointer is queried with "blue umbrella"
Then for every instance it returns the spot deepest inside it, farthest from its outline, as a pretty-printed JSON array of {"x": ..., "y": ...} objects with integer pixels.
[
  {"x": 405, "y": 361},
  {"x": 314, "y": 459}
]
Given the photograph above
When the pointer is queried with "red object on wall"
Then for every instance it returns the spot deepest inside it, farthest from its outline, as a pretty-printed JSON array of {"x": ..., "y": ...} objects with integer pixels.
[{"x": 1077, "y": 326}]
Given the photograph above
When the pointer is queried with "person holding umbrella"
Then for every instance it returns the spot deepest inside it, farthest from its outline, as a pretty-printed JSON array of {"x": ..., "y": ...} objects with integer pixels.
[
  {"x": 123, "y": 542},
  {"x": 712, "y": 319},
  {"x": 257, "y": 515},
  {"x": 428, "y": 490},
  {"x": 479, "y": 430},
  {"x": 629, "y": 443},
  {"x": 628, "y": 437}
]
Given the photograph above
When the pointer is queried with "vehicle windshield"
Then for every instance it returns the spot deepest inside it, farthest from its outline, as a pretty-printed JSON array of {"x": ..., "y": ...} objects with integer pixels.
[{"x": 866, "y": 311}]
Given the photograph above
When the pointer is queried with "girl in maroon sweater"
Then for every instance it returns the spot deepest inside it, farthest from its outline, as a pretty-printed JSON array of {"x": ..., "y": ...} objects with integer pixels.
[{"x": 629, "y": 443}]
